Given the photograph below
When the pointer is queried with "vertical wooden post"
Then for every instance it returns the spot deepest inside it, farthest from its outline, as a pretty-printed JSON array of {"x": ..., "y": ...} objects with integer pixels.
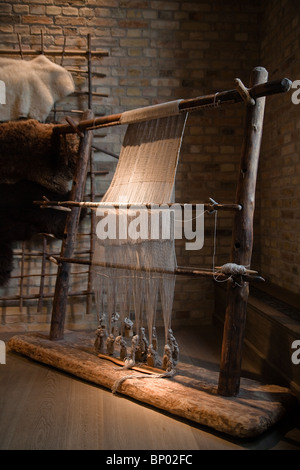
[
  {"x": 89, "y": 297},
  {"x": 242, "y": 241},
  {"x": 92, "y": 236},
  {"x": 68, "y": 243},
  {"x": 89, "y": 64}
]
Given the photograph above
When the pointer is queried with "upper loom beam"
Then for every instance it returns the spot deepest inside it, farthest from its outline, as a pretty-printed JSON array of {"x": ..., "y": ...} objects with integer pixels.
[{"x": 223, "y": 97}]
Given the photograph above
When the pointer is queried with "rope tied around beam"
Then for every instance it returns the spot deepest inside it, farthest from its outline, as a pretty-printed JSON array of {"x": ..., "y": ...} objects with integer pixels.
[{"x": 233, "y": 269}]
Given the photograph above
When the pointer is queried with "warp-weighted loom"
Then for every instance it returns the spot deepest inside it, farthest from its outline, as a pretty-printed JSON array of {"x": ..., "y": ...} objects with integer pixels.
[{"x": 224, "y": 401}]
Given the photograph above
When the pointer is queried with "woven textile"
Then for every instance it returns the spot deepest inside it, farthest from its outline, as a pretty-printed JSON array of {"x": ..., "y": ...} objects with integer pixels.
[{"x": 145, "y": 174}]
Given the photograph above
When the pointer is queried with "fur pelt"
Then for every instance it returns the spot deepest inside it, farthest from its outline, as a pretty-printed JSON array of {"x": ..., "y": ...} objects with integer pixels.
[
  {"x": 32, "y": 87},
  {"x": 21, "y": 219},
  {"x": 6, "y": 262},
  {"x": 31, "y": 151}
]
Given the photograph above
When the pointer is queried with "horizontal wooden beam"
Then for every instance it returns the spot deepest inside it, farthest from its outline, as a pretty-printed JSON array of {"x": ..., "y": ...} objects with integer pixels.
[
  {"x": 190, "y": 105},
  {"x": 180, "y": 270},
  {"x": 52, "y": 52},
  {"x": 233, "y": 96},
  {"x": 210, "y": 207}
]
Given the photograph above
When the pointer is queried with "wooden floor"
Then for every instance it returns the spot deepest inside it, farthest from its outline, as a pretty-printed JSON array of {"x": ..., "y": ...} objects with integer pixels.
[{"x": 44, "y": 409}]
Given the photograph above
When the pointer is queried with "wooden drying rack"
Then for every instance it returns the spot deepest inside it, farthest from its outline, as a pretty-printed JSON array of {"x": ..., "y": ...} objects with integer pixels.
[
  {"x": 22, "y": 296},
  {"x": 242, "y": 235}
]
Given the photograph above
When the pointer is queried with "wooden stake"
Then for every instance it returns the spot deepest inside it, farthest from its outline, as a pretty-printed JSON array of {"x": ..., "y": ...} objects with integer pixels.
[
  {"x": 244, "y": 92},
  {"x": 89, "y": 59},
  {"x": 242, "y": 241},
  {"x": 74, "y": 126},
  {"x": 20, "y": 46}
]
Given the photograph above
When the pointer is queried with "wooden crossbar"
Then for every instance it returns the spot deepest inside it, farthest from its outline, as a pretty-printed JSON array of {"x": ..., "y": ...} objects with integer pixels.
[
  {"x": 210, "y": 206},
  {"x": 180, "y": 270}
]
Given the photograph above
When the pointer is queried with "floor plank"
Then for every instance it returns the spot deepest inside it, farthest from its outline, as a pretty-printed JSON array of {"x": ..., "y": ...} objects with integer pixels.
[{"x": 44, "y": 409}]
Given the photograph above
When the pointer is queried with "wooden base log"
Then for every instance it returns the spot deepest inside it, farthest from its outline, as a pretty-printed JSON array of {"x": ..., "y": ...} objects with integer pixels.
[
  {"x": 241, "y": 249},
  {"x": 190, "y": 394}
]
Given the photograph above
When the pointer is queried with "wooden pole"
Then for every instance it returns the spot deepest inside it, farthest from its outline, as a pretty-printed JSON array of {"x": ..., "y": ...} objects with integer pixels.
[
  {"x": 62, "y": 282},
  {"x": 209, "y": 207},
  {"x": 89, "y": 60},
  {"x": 242, "y": 241},
  {"x": 180, "y": 270},
  {"x": 53, "y": 52}
]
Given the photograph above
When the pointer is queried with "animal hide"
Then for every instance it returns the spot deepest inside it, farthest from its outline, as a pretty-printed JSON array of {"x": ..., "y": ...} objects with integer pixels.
[
  {"x": 21, "y": 219},
  {"x": 31, "y": 151},
  {"x": 32, "y": 87},
  {"x": 6, "y": 262},
  {"x": 34, "y": 162}
]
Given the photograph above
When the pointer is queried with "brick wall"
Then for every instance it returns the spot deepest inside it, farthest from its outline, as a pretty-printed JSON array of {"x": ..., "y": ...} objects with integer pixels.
[
  {"x": 158, "y": 51},
  {"x": 279, "y": 168}
]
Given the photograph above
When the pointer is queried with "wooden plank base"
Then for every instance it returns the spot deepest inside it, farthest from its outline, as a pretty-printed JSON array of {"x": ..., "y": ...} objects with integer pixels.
[{"x": 190, "y": 394}]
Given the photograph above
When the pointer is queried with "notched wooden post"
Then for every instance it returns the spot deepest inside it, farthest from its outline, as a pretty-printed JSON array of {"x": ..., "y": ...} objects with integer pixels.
[
  {"x": 62, "y": 281},
  {"x": 241, "y": 248}
]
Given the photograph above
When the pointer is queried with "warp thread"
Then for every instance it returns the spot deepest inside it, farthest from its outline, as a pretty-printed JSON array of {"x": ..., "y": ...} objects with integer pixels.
[
  {"x": 145, "y": 171},
  {"x": 147, "y": 113}
]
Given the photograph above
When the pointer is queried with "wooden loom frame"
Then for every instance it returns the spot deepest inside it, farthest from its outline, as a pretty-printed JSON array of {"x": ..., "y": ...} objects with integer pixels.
[{"x": 242, "y": 235}]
